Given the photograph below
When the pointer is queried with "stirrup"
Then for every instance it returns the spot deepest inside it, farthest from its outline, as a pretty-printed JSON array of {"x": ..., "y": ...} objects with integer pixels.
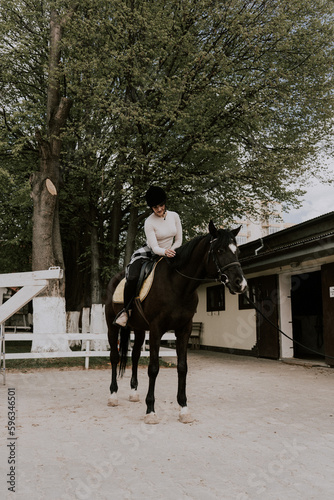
[{"x": 121, "y": 318}]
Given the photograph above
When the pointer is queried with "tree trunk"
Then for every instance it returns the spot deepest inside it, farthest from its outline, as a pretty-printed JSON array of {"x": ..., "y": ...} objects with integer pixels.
[
  {"x": 98, "y": 322},
  {"x": 49, "y": 307},
  {"x": 96, "y": 294},
  {"x": 46, "y": 240},
  {"x": 77, "y": 292},
  {"x": 131, "y": 235},
  {"x": 115, "y": 224}
]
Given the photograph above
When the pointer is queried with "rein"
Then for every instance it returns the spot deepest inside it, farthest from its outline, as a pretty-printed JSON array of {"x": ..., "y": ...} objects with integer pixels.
[
  {"x": 195, "y": 279},
  {"x": 280, "y": 331},
  {"x": 222, "y": 277}
]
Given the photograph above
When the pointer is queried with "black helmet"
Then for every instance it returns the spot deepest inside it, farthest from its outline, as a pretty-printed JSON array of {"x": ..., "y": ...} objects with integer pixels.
[{"x": 155, "y": 196}]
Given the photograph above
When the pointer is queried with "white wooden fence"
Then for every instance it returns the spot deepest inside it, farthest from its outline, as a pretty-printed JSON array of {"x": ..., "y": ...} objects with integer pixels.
[
  {"x": 32, "y": 284},
  {"x": 85, "y": 338}
]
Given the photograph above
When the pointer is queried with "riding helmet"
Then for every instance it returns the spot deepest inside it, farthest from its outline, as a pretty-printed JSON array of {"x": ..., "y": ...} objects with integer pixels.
[{"x": 155, "y": 196}]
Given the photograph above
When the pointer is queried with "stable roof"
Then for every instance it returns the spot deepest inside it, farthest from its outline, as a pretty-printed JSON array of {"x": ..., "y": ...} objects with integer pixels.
[{"x": 312, "y": 240}]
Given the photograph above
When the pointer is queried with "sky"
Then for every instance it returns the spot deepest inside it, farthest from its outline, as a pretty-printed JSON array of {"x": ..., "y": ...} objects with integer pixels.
[{"x": 318, "y": 200}]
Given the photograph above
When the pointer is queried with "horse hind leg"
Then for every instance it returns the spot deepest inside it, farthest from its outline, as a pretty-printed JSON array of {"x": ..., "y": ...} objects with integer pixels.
[
  {"x": 114, "y": 360},
  {"x": 136, "y": 350},
  {"x": 123, "y": 349},
  {"x": 113, "y": 334},
  {"x": 117, "y": 357}
]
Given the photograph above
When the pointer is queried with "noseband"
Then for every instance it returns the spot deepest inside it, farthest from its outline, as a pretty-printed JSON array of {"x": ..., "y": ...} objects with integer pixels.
[{"x": 222, "y": 277}]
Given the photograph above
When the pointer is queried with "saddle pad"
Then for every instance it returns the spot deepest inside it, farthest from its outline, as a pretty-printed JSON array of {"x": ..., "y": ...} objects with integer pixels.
[{"x": 118, "y": 297}]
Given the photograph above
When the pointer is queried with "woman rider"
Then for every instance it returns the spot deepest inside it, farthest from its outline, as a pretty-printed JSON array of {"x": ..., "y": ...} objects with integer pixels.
[{"x": 163, "y": 233}]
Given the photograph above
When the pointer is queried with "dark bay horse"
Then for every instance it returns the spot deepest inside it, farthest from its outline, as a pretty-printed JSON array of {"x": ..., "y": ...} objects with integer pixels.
[{"x": 171, "y": 305}]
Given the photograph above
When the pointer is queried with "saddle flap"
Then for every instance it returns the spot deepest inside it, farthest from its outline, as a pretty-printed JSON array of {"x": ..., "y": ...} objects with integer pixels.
[{"x": 118, "y": 297}]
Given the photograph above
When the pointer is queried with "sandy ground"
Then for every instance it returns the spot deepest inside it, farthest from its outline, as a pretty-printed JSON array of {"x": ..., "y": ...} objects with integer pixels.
[{"x": 263, "y": 430}]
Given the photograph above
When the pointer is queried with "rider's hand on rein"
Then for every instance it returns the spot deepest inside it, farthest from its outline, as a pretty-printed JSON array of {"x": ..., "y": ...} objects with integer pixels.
[{"x": 169, "y": 252}]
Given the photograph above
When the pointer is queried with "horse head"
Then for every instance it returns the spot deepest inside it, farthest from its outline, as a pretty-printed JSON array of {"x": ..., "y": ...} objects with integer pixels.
[{"x": 223, "y": 258}]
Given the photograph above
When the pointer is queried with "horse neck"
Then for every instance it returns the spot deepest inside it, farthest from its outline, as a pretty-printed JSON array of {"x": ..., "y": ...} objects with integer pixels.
[{"x": 196, "y": 266}]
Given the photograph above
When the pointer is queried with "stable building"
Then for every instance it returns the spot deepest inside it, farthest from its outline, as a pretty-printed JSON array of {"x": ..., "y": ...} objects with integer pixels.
[{"x": 291, "y": 282}]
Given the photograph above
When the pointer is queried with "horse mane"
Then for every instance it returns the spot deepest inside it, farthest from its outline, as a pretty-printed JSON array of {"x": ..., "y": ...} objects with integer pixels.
[{"x": 184, "y": 252}]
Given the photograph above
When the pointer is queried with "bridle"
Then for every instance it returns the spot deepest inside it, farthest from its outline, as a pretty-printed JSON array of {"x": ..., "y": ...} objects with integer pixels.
[{"x": 222, "y": 277}]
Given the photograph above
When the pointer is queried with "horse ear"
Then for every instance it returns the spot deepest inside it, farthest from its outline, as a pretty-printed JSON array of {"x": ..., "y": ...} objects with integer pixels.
[
  {"x": 236, "y": 231},
  {"x": 212, "y": 229}
]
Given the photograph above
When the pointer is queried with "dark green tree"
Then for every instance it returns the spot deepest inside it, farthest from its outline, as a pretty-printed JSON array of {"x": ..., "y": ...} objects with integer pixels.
[
  {"x": 223, "y": 104},
  {"x": 15, "y": 216}
]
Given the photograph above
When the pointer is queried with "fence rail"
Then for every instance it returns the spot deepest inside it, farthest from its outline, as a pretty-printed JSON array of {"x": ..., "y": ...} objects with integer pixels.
[
  {"x": 32, "y": 283},
  {"x": 85, "y": 338}
]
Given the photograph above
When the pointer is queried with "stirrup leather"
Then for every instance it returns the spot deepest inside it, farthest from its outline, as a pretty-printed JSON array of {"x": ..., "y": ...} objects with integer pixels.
[{"x": 121, "y": 318}]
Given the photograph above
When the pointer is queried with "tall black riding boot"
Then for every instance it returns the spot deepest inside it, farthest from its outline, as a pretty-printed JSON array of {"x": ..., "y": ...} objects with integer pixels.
[{"x": 129, "y": 294}]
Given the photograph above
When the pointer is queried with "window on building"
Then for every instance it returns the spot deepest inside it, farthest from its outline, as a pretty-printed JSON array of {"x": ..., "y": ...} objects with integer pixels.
[
  {"x": 215, "y": 298},
  {"x": 273, "y": 230},
  {"x": 241, "y": 240}
]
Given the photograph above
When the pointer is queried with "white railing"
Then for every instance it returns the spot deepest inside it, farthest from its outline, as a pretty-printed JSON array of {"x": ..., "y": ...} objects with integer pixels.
[
  {"x": 85, "y": 339},
  {"x": 32, "y": 283}
]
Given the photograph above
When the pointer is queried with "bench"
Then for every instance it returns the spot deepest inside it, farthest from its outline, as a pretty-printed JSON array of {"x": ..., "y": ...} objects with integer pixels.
[
  {"x": 194, "y": 339},
  {"x": 195, "y": 336}
]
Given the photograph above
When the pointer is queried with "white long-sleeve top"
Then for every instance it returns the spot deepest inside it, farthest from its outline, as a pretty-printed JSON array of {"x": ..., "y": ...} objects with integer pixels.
[{"x": 163, "y": 232}]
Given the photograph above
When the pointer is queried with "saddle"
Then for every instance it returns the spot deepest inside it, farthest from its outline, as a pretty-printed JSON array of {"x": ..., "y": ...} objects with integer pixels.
[{"x": 144, "y": 283}]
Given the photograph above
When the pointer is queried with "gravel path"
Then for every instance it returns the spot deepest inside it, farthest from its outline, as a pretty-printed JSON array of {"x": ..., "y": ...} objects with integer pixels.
[{"x": 263, "y": 430}]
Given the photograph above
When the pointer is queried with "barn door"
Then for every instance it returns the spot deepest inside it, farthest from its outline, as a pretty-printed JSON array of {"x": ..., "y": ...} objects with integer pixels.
[
  {"x": 307, "y": 315},
  {"x": 265, "y": 288},
  {"x": 327, "y": 280}
]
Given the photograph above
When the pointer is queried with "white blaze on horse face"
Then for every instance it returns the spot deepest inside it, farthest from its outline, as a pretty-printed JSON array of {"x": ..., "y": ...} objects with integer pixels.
[{"x": 233, "y": 248}]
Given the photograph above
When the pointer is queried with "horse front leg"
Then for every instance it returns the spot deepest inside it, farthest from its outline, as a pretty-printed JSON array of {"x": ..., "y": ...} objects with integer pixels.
[
  {"x": 114, "y": 359},
  {"x": 182, "y": 338},
  {"x": 136, "y": 350},
  {"x": 153, "y": 370}
]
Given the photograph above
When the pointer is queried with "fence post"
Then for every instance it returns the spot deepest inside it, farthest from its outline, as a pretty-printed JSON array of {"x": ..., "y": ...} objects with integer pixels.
[
  {"x": 2, "y": 353},
  {"x": 98, "y": 324}
]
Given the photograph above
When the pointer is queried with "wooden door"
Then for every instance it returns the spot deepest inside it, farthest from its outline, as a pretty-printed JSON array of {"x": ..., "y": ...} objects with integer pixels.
[
  {"x": 327, "y": 280},
  {"x": 266, "y": 299}
]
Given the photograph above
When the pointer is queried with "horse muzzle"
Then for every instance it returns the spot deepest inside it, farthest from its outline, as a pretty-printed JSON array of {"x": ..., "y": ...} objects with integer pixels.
[{"x": 237, "y": 285}]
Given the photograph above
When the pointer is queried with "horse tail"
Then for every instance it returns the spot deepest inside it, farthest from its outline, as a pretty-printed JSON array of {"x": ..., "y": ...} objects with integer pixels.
[{"x": 123, "y": 349}]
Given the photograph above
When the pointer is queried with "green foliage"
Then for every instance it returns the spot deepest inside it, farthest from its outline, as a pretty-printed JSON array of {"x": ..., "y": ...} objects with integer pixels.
[
  {"x": 15, "y": 217},
  {"x": 221, "y": 103}
]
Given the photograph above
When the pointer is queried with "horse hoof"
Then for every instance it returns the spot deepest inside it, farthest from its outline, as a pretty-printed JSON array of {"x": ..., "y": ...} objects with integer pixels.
[
  {"x": 151, "y": 418},
  {"x": 134, "y": 396},
  {"x": 112, "y": 400},
  {"x": 185, "y": 416}
]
